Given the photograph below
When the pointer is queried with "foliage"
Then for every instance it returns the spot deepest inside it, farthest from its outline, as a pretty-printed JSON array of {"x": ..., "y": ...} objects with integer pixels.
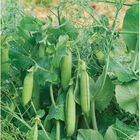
[{"x": 38, "y": 46}]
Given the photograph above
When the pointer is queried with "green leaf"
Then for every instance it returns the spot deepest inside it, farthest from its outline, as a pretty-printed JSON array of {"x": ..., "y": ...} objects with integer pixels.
[
  {"x": 19, "y": 59},
  {"x": 40, "y": 113},
  {"x": 45, "y": 73},
  {"x": 104, "y": 20},
  {"x": 62, "y": 40},
  {"x": 131, "y": 23},
  {"x": 128, "y": 96},
  {"x": 50, "y": 18},
  {"x": 124, "y": 131},
  {"x": 91, "y": 85},
  {"x": 61, "y": 99},
  {"x": 123, "y": 73},
  {"x": 50, "y": 49},
  {"x": 58, "y": 111},
  {"x": 103, "y": 99},
  {"x": 69, "y": 29},
  {"x": 66, "y": 28},
  {"x": 104, "y": 121},
  {"x": 53, "y": 33},
  {"x": 88, "y": 134},
  {"x": 29, "y": 23},
  {"x": 111, "y": 134},
  {"x": 99, "y": 83},
  {"x": 41, "y": 135}
]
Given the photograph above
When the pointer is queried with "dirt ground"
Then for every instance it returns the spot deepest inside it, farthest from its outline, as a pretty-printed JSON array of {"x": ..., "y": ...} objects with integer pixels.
[{"x": 41, "y": 11}]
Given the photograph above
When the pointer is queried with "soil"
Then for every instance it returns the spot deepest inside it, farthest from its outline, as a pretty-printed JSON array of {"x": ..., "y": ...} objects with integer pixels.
[{"x": 109, "y": 10}]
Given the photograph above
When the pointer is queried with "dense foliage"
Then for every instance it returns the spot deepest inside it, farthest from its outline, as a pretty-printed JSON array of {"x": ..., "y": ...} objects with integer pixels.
[{"x": 66, "y": 81}]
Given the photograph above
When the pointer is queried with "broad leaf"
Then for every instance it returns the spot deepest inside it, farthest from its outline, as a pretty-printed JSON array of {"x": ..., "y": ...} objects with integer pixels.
[
  {"x": 128, "y": 96},
  {"x": 131, "y": 23},
  {"x": 89, "y": 134},
  {"x": 19, "y": 59},
  {"x": 104, "y": 121},
  {"x": 111, "y": 134},
  {"x": 29, "y": 23},
  {"x": 123, "y": 73},
  {"x": 103, "y": 99},
  {"x": 44, "y": 71},
  {"x": 58, "y": 111},
  {"x": 99, "y": 83},
  {"x": 40, "y": 113},
  {"x": 124, "y": 131},
  {"x": 66, "y": 28}
]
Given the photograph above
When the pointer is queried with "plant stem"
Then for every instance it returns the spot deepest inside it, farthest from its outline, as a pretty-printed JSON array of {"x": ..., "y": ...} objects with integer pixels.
[
  {"x": 27, "y": 111},
  {"x": 33, "y": 107},
  {"x": 128, "y": 32},
  {"x": 15, "y": 116},
  {"x": 44, "y": 131},
  {"x": 87, "y": 125},
  {"x": 59, "y": 21},
  {"x": 57, "y": 122},
  {"x": 57, "y": 130},
  {"x": 94, "y": 123},
  {"x": 52, "y": 97}
]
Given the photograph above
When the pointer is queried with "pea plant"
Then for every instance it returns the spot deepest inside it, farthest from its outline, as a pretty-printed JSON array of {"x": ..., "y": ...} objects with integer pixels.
[{"x": 67, "y": 79}]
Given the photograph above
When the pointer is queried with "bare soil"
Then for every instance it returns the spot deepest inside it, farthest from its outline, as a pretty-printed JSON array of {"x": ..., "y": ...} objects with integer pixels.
[{"x": 100, "y": 7}]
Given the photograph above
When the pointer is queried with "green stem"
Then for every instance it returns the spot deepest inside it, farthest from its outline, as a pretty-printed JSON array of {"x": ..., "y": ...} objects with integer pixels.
[
  {"x": 76, "y": 125},
  {"x": 33, "y": 107},
  {"x": 57, "y": 122},
  {"x": 52, "y": 97},
  {"x": 87, "y": 125},
  {"x": 15, "y": 116},
  {"x": 94, "y": 123},
  {"x": 44, "y": 131},
  {"x": 128, "y": 32},
  {"x": 26, "y": 110},
  {"x": 116, "y": 15},
  {"x": 59, "y": 21},
  {"x": 57, "y": 130}
]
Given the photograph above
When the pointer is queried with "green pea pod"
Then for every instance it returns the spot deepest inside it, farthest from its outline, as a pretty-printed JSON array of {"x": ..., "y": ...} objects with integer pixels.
[
  {"x": 77, "y": 90},
  {"x": 70, "y": 112},
  {"x": 66, "y": 66},
  {"x": 4, "y": 59},
  {"x": 35, "y": 95},
  {"x": 27, "y": 88},
  {"x": 100, "y": 56},
  {"x": 84, "y": 91}
]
